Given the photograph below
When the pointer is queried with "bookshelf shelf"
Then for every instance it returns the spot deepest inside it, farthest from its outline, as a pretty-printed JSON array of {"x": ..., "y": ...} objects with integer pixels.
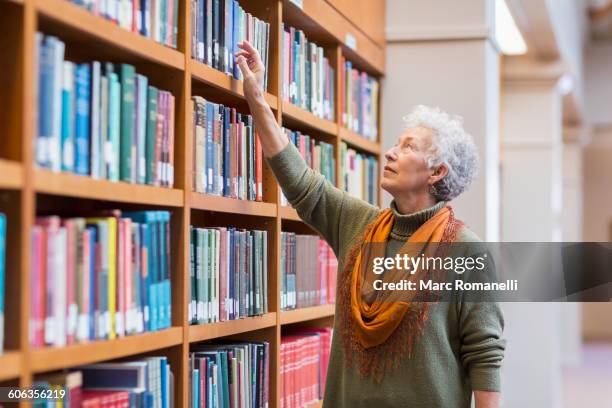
[
  {"x": 72, "y": 185},
  {"x": 49, "y": 359},
  {"x": 11, "y": 174},
  {"x": 80, "y": 24},
  {"x": 201, "y": 201},
  {"x": 289, "y": 213},
  {"x": 318, "y": 404},
  {"x": 213, "y": 77},
  {"x": 10, "y": 362},
  {"x": 306, "y": 314},
  {"x": 209, "y": 331},
  {"x": 39, "y": 191},
  {"x": 309, "y": 119},
  {"x": 359, "y": 142}
]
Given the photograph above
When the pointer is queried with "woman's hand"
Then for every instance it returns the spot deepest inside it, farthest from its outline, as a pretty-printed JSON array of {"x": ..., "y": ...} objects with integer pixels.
[{"x": 253, "y": 70}]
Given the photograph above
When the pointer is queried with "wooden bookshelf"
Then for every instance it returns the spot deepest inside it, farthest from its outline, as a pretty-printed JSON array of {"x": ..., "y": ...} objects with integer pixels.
[
  {"x": 90, "y": 37},
  {"x": 306, "y": 314},
  {"x": 11, "y": 175}
]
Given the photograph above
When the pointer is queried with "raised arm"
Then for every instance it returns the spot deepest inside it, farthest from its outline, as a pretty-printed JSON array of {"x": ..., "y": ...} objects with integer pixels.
[{"x": 317, "y": 201}]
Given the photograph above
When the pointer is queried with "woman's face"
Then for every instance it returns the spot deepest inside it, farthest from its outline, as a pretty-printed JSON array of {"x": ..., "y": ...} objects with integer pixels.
[{"x": 406, "y": 170}]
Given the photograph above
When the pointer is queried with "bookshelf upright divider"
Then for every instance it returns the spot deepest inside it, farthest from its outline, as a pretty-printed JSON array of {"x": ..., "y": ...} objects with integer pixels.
[{"x": 38, "y": 191}]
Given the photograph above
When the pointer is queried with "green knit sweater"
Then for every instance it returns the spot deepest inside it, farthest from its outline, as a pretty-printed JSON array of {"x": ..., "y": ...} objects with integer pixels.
[{"x": 462, "y": 346}]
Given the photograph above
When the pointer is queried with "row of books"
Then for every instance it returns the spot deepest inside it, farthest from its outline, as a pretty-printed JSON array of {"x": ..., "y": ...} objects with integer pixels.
[
  {"x": 227, "y": 153},
  {"x": 99, "y": 278},
  {"x": 102, "y": 120},
  {"x": 307, "y": 75},
  {"x": 358, "y": 174},
  {"x": 143, "y": 383},
  {"x": 304, "y": 357},
  {"x": 2, "y": 276},
  {"x": 228, "y": 274},
  {"x": 358, "y": 99},
  {"x": 155, "y": 19},
  {"x": 217, "y": 26},
  {"x": 308, "y": 271},
  {"x": 318, "y": 155},
  {"x": 230, "y": 375}
]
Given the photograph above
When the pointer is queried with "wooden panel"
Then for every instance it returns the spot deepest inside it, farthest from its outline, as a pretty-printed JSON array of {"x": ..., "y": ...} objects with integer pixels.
[
  {"x": 289, "y": 213},
  {"x": 306, "y": 314},
  {"x": 308, "y": 119},
  {"x": 11, "y": 174},
  {"x": 208, "y": 331},
  {"x": 366, "y": 15},
  {"x": 71, "y": 185},
  {"x": 359, "y": 142},
  {"x": 49, "y": 359},
  {"x": 231, "y": 205},
  {"x": 10, "y": 362}
]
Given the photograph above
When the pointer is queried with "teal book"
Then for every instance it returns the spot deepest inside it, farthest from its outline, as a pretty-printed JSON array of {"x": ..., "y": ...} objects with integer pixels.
[
  {"x": 127, "y": 119},
  {"x": 150, "y": 134},
  {"x": 114, "y": 129}
]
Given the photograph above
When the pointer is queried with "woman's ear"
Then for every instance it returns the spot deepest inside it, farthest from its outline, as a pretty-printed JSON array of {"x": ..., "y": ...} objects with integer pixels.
[{"x": 438, "y": 174}]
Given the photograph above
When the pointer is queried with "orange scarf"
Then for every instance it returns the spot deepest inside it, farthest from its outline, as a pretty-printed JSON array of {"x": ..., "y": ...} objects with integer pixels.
[{"x": 379, "y": 332}]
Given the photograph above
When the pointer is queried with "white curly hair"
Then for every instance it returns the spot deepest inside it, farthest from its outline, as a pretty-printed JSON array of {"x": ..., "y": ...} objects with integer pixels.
[{"x": 451, "y": 145}]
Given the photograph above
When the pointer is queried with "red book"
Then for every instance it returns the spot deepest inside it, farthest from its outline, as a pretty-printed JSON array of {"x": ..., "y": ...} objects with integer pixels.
[
  {"x": 159, "y": 130},
  {"x": 171, "y": 141},
  {"x": 70, "y": 275},
  {"x": 105, "y": 399}
]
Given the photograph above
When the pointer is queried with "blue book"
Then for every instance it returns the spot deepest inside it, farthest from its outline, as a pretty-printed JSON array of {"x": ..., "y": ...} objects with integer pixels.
[
  {"x": 215, "y": 33},
  {"x": 163, "y": 363},
  {"x": 97, "y": 148},
  {"x": 229, "y": 44},
  {"x": 144, "y": 21},
  {"x": 81, "y": 124},
  {"x": 2, "y": 276},
  {"x": 114, "y": 126},
  {"x": 196, "y": 388},
  {"x": 141, "y": 128},
  {"x": 201, "y": 32},
  {"x": 167, "y": 295},
  {"x": 68, "y": 117}
]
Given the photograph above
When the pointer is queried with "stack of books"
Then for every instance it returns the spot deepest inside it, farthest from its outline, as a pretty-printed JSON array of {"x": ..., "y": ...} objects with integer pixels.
[
  {"x": 2, "y": 277},
  {"x": 319, "y": 156},
  {"x": 228, "y": 274},
  {"x": 155, "y": 19},
  {"x": 99, "y": 278},
  {"x": 102, "y": 120},
  {"x": 227, "y": 153},
  {"x": 308, "y": 78},
  {"x": 308, "y": 271},
  {"x": 230, "y": 374},
  {"x": 304, "y": 357},
  {"x": 359, "y": 94},
  {"x": 358, "y": 174},
  {"x": 140, "y": 384},
  {"x": 217, "y": 26}
]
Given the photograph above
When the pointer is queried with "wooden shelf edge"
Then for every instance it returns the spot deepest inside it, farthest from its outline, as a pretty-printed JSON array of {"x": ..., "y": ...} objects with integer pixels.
[
  {"x": 288, "y": 213},
  {"x": 50, "y": 359},
  {"x": 11, "y": 174},
  {"x": 79, "y": 18},
  {"x": 309, "y": 119},
  {"x": 318, "y": 404},
  {"x": 213, "y": 77},
  {"x": 360, "y": 142},
  {"x": 209, "y": 331},
  {"x": 72, "y": 185},
  {"x": 10, "y": 362},
  {"x": 201, "y": 201},
  {"x": 306, "y": 314}
]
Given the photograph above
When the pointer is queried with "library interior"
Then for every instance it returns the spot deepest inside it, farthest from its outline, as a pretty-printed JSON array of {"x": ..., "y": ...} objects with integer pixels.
[{"x": 152, "y": 255}]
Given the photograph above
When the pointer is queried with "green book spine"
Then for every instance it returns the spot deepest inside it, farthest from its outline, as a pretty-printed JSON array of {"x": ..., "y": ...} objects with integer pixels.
[
  {"x": 150, "y": 137},
  {"x": 192, "y": 274},
  {"x": 128, "y": 116}
]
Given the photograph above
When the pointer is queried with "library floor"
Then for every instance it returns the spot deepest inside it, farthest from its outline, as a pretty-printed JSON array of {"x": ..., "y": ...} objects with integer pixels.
[{"x": 588, "y": 383}]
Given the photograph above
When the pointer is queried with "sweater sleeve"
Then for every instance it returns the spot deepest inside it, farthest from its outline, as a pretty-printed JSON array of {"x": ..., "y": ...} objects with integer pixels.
[
  {"x": 320, "y": 204},
  {"x": 481, "y": 325}
]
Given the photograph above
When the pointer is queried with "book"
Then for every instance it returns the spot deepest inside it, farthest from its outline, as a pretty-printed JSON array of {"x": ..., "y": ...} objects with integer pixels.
[
  {"x": 229, "y": 374},
  {"x": 227, "y": 160},
  {"x": 102, "y": 120},
  {"x": 100, "y": 277},
  {"x": 308, "y": 271},
  {"x": 358, "y": 174},
  {"x": 318, "y": 155},
  {"x": 228, "y": 269},
  {"x": 217, "y": 26},
  {"x": 304, "y": 358},
  {"x": 358, "y": 100},
  {"x": 2, "y": 277},
  {"x": 308, "y": 78},
  {"x": 155, "y": 19}
]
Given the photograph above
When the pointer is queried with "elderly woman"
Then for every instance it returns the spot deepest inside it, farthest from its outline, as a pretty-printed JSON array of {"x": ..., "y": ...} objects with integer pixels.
[{"x": 393, "y": 354}]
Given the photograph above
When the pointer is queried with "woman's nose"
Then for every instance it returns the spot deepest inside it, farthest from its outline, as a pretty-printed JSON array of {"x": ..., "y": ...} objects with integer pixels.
[{"x": 391, "y": 154}]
